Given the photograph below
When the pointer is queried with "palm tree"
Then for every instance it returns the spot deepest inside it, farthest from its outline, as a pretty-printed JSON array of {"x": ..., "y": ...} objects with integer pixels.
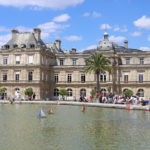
[{"x": 97, "y": 63}]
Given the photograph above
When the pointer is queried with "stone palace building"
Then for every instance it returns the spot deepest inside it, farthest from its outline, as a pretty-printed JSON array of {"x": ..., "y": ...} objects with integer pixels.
[{"x": 26, "y": 61}]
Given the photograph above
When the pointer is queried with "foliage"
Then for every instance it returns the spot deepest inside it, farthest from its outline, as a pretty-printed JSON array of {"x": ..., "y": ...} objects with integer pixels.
[
  {"x": 63, "y": 92},
  {"x": 128, "y": 93},
  {"x": 28, "y": 91},
  {"x": 93, "y": 92},
  {"x": 97, "y": 63},
  {"x": 109, "y": 89},
  {"x": 2, "y": 90}
]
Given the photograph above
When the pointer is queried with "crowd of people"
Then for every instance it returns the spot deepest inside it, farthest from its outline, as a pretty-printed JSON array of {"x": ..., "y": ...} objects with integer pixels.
[{"x": 116, "y": 99}]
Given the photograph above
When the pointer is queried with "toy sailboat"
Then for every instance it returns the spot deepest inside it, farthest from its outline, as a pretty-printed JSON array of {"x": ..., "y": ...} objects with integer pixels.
[
  {"x": 50, "y": 111},
  {"x": 41, "y": 114}
]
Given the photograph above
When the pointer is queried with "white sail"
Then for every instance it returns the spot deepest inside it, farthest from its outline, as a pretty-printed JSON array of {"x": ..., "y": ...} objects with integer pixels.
[{"x": 42, "y": 114}]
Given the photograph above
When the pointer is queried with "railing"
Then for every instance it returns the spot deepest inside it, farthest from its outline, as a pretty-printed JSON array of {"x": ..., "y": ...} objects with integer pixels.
[
  {"x": 22, "y": 81},
  {"x": 102, "y": 82}
]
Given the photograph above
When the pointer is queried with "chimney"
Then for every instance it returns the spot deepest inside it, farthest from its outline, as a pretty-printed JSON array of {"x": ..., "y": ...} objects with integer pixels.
[
  {"x": 126, "y": 43},
  {"x": 73, "y": 50},
  {"x": 37, "y": 33},
  {"x": 58, "y": 44},
  {"x": 14, "y": 32}
]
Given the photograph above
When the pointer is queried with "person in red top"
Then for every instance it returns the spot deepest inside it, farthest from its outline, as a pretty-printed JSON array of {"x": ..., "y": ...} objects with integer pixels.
[
  {"x": 91, "y": 99},
  {"x": 100, "y": 96}
]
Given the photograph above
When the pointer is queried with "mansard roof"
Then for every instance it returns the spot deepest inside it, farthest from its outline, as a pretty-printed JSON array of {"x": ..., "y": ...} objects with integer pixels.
[{"x": 25, "y": 40}]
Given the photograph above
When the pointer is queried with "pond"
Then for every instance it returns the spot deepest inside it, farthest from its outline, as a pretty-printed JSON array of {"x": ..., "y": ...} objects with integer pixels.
[{"x": 68, "y": 128}]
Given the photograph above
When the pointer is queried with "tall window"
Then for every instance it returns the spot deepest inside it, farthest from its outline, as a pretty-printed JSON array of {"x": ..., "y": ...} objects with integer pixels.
[
  {"x": 142, "y": 61},
  {"x": 82, "y": 77},
  {"x": 30, "y": 59},
  {"x": 30, "y": 76},
  {"x": 69, "y": 78},
  {"x": 17, "y": 59},
  {"x": 61, "y": 62},
  {"x": 126, "y": 78},
  {"x": 140, "y": 93},
  {"x": 4, "y": 76},
  {"x": 56, "y": 92},
  {"x": 69, "y": 92},
  {"x": 56, "y": 77},
  {"x": 141, "y": 77},
  {"x": 42, "y": 76},
  {"x": 5, "y": 60},
  {"x": 17, "y": 75},
  {"x": 83, "y": 92},
  {"x": 128, "y": 61},
  {"x": 32, "y": 46},
  {"x": 74, "y": 61},
  {"x": 103, "y": 76}
]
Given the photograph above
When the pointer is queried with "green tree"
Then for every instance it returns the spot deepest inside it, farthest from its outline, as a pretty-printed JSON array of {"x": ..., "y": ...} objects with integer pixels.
[
  {"x": 2, "y": 90},
  {"x": 128, "y": 93},
  {"x": 97, "y": 63},
  {"x": 63, "y": 93},
  {"x": 28, "y": 91},
  {"x": 93, "y": 93}
]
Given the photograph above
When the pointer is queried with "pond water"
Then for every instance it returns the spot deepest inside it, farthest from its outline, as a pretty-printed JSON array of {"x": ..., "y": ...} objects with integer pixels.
[{"x": 71, "y": 129}]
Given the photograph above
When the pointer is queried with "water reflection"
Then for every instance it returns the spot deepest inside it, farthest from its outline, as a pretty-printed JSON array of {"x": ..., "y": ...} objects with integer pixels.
[{"x": 71, "y": 129}]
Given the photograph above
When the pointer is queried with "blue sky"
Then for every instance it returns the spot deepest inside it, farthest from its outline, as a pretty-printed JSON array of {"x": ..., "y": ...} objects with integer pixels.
[{"x": 79, "y": 23}]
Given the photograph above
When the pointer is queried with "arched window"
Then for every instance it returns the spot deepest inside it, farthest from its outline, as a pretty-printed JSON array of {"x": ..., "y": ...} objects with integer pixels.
[
  {"x": 56, "y": 92},
  {"x": 83, "y": 92},
  {"x": 23, "y": 46},
  {"x": 15, "y": 46},
  {"x": 103, "y": 91},
  {"x": 17, "y": 89},
  {"x": 140, "y": 93},
  {"x": 32, "y": 46},
  {"x": 69, "y": 92},
  {"x": 7, "y": 46}
]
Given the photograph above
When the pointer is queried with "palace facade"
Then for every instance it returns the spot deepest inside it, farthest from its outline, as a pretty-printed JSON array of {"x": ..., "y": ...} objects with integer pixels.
[{"x": 26, "y": 61}]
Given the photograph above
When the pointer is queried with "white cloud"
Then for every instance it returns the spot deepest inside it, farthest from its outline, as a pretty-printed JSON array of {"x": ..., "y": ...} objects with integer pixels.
[
  {"x": 124, "y": 29},
  {"x": 116, "y": 28},
  {"x": 87, "y": 14},
  {"x": 96, "y": 14},
  {"x": 24, "y": 29},
  {"x": 73, "y": 38},
  {"x": 148, "y": 38},
  {"x": 61, "y": 18},
  {"x": 51, "y": 27},
  {"x": 136, "y": 33},
  {"x": 144, "y": 48},
  {"x": 4, "y": 39},
  {"x": 54, "y": 4},
  {"x": 143, "y": 22},
  {"x": 105, "y": 26},
  {"x": 117, "y": 39},
  {"x": 4, "y": 29},
  {"x": 93, "y": 14},
  {"x": 89, "y": 47}
]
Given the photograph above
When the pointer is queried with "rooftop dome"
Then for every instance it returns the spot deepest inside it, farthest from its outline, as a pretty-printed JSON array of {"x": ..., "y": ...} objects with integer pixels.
[{"x": 105, "y": 44}]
